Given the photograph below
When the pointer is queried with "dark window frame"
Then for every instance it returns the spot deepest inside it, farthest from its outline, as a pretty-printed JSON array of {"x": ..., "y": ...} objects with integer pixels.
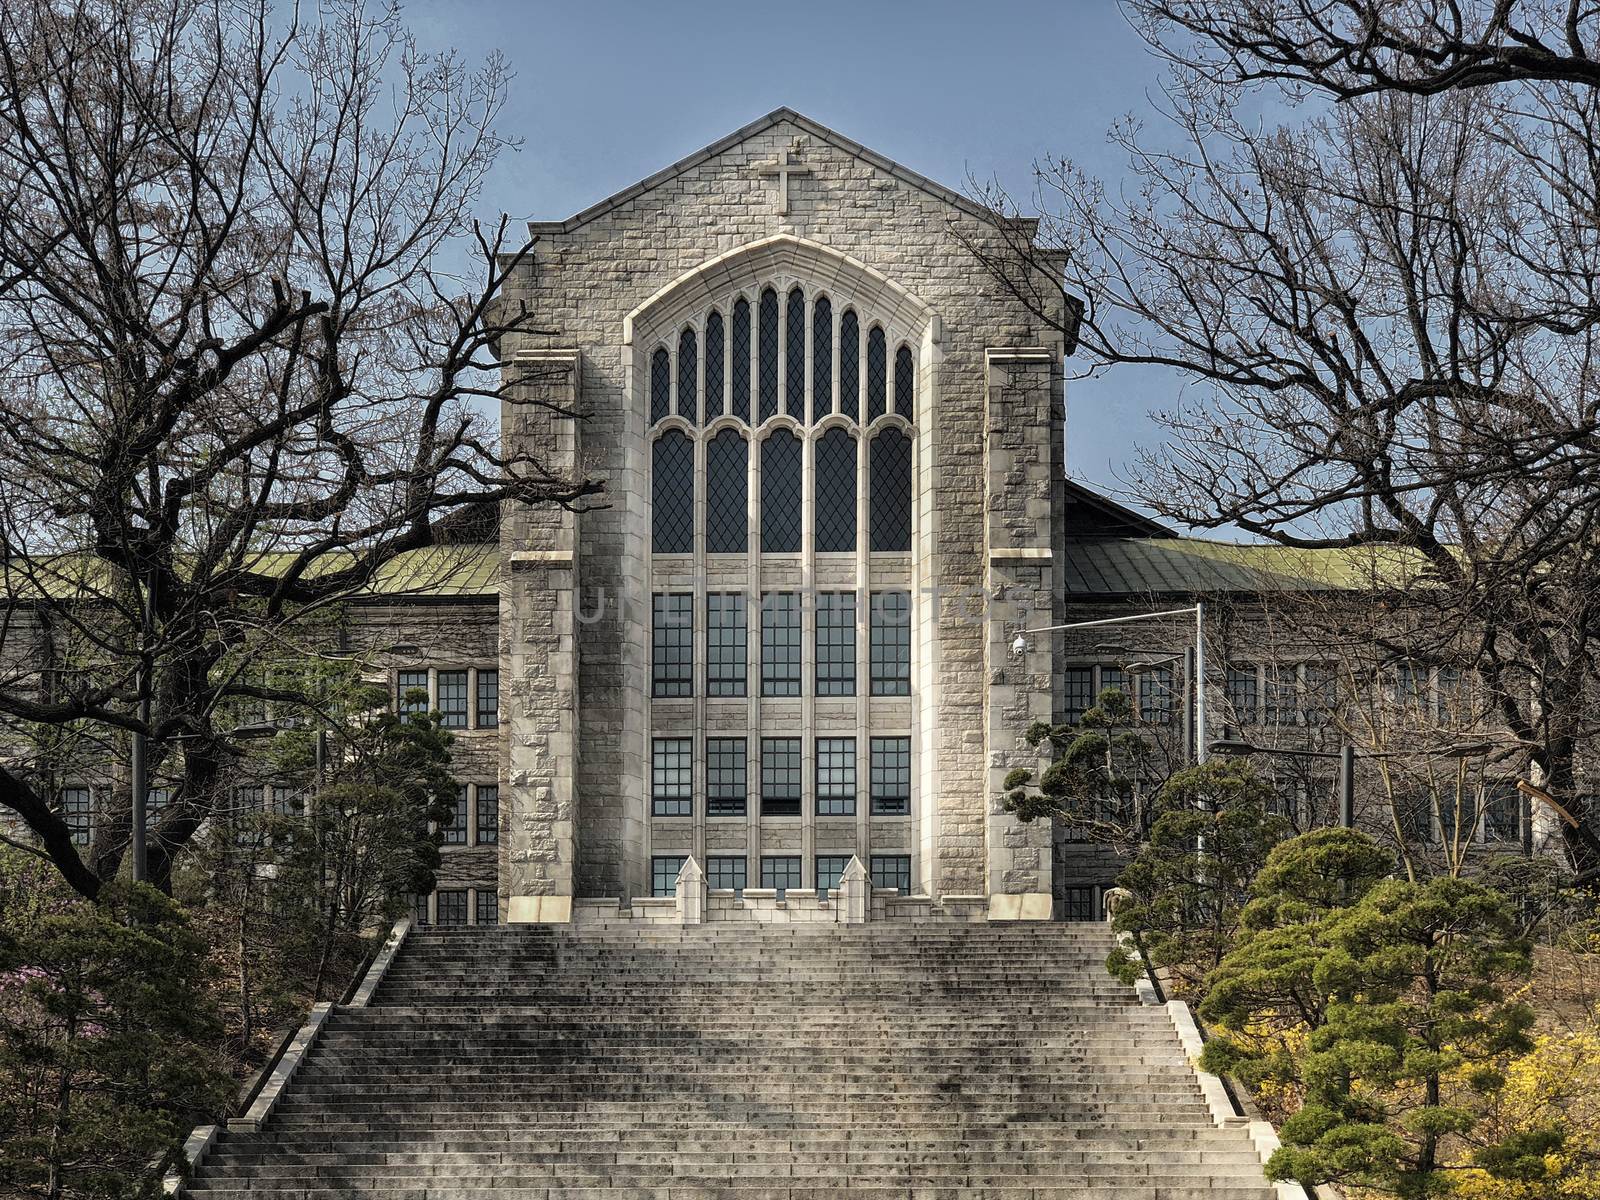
[{"x": 672, "y": 776}]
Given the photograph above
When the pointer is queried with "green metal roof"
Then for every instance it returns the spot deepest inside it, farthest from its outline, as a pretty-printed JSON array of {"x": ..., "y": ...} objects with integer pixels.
[{"x": 1130, "y": 566}]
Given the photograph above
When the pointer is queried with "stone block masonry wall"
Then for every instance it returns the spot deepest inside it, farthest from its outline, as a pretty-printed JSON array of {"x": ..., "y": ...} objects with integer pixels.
[{"x": 591, "y": 273}]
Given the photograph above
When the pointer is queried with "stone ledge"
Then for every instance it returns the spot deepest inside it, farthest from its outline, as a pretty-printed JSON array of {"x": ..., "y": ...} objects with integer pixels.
[
  {"x": 298, "y": 1049},
  {"x": 380, "y": 964},
  {"x": 539, "y": 910}
]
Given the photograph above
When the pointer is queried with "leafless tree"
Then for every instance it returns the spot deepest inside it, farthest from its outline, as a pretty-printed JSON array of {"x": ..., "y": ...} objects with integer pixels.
[
  {"x": 248, "y": 329},
  {"x": 1389, "y": 311}
]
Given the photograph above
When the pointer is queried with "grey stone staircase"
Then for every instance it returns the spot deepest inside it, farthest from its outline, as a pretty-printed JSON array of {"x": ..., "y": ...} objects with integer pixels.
[{"x": 752, "y": 1062}]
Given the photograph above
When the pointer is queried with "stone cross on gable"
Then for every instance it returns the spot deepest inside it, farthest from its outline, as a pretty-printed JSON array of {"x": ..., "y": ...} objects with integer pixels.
[{"x": 782, "y": 168}]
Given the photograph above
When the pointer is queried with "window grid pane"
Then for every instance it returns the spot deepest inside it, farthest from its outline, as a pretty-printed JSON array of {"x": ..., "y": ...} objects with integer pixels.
[
  {"x": 488, "y": 699},
  {"x": 671, "y": 777},
  {"x": 726, "y": 871},
  {"x": 850, "y": 365},
  {"x": 740, "y": 366},
  {"x": 672, "y": 644},
  {"x": 780, "y": 644},
  {"x": 713, "y": 366},
  {"x": 664, "y": 870},
  {"x": 1155, "y": 695},
  {"x": 890, "y": 501},
  {"x": 795, "y": 359},
  {"x": 77, "y": 810},
  {"x": 727, "y": 784},
  {"x": 890, "y": 650},
  {"x": 455, "y": 829},
  {"x": 727, "y": 494},
  {"x": 488, "y": 814},
  {"x": 453, "y": 699},
  {"x": 780, "y": 778},
  {"x": 727, "y": 639},
  {"x": 1243, "y": 693},
  {"x": 768, "y": 365},
  {"x": 672, "y": 494},
  {"x": 891, "y": 776},
  {"x": 406, "y": 683},
  {"x": 891, "y": 871},
  {"x": 1077, "y": 693},
  {"x": 488, "y": 908},
  {"x": 688, "y": 380},
  {"x": 1281, "y": 696},
  {"x": 836, "y": 777},
  {"x": 780, "y": 872},
  {"x": 835, "y": 487},
  {"x": 836, "y": 644},
  {"x": 780, "y": 494},
  {"x": 451, "y": 906},
  {"x": 829, "y": 869}
]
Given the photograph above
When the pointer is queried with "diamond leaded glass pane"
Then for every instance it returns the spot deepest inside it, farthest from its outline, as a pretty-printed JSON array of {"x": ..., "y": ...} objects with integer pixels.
[
  {"x": 891, "y": 491},
  {"x": 821, "y": 359},
  {"x": 768, "y": 381},
  {"x": 713, "y": 366},
  {"x": 780, "y": 494},
  {"x": 905, "y": 378},
  {"x": 672, "y": 494},
  {"x": 794, "y": 393},
  {"x": 850, "y": 365},
  {"x": 688, "y": 377},
  {"x": 877, "y": 374},
  {"x": 739, "y": 403},
  {"x": 836, "y": 492},
  {"x": 727, "y": 494},
  {"x": 660, "y": 386}
]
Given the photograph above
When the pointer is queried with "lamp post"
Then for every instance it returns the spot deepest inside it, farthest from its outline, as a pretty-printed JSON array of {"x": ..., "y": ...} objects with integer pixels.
[
  {"x": 1019, "y": 647},
  {"x": 1346, "y": 754}
]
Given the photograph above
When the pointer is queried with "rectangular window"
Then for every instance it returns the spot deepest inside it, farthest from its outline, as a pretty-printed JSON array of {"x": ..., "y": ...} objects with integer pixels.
[
  {"x": 836, "y": 644},
  {"x": 664, "y": 870},
  {"x": 1114, "y": 677},
  {"x": 1321, "y": 694},
  {"x": 419, "y": 914},
  {"x": 488, "y": 907},
  {"x": 1078, "y": 904},
  {"x": 726, "y": 783},
  {"x": 892, "y": 871},
  {"x": 727, "y": 638},
  {"x": 1502, "y": 813},
  {"x": 781, "y": 873},
  {"x": 407, "y": 688},
  {"x": 451, "y": 906},
  {"x": 1243, "y": 696},
  {"x": 77, "y": 810},
  {"x": 488, "y": 823},
  {"x": 455, "y": 830},
  {"x": 672, "y": 777},
  {"x": 891, "y": 776},
  {"x": 726, "y": 871},
  {"x": 1459, "y": 807},
  {"x": 453, "y": 699},
  {"x": 1281, "y": 695},
  {"x": 248, "y": 805},
  {"x": 780, "y": 644},
  {"x": 672, "y": 644},
  {"x": 286, "y": 803},
  {"x": 1077, "y": 693},
  {"x": 156, "y": 801},
  {"x": 488, "y": 699},
  {"x": 829, "y": 868},
  {"x": 1455, "y": 707},
  {"x": 780, "y": 777},
  {"x": 836, "y": 777},
  {"x": 1414, "y": 811},
  {"x": 1155, "y": 696},
  {"x": 1411, "y": 687},
  {"x": 890, "y": 646}
]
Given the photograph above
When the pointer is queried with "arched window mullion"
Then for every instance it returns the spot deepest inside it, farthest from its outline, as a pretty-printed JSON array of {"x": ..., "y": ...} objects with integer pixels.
[
  {"x": 781, "y": 494},
  {"x": 850, "y": 365},
  {"x": 715, "y": 372},
  {"x": 767, "y": 336},
  {"x": 891, "y": 480},
  {"x": 688, "y": 377},
  {"x": 727, "y": 493},
  {"x": 821, "y": 359},
  {"x": 834, "y": 499},
  {"x": 660, "y": 385},
  {"x": 905, "y": 388},
  {"x": 741, "y": 362},
  {"x": 794, "y": 390},
  {"x": 672, "y": 493},
  {"x": 877, "y": 374}
]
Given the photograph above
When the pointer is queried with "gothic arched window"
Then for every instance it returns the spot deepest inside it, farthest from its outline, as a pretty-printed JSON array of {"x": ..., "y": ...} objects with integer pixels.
[
  {"x": 877, "y": 375},
  {"x": 904, "y": 383},
  {"x": 821, "y": 359},
  {"x": 713, "y": 366},
  {"x": 850, "y": 365},
  {"x": 740, "y": 406},
  {"x": 836, "y": 492},
  {"x": 660, "y": 386},
  {"x": 688, "y": 377},
  {"x": 768, "y": 381},
  {"x": 672, "y": 494},
  {"x": 891, "y": 491},
  {"x": 795, "y": 393},
  {"x": 727, "y": 494},
  {"x": 780, "y": 493}
]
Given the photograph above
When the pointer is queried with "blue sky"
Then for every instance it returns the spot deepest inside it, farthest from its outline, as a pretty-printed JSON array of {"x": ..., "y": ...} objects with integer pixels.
[{"x": 607, "y": 93}]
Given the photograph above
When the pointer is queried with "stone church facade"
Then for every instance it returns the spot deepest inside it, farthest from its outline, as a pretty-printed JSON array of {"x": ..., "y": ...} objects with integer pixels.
[{"x": 833, "y": 454}]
